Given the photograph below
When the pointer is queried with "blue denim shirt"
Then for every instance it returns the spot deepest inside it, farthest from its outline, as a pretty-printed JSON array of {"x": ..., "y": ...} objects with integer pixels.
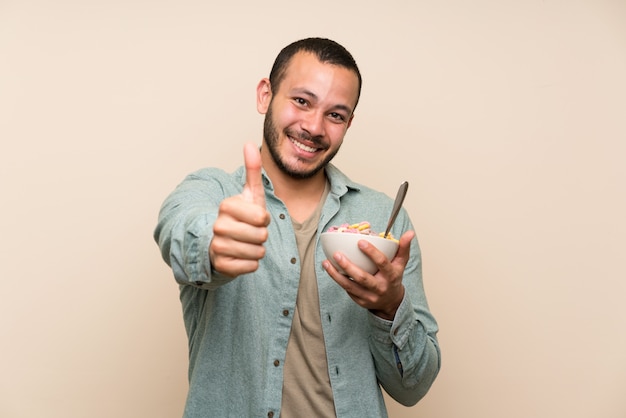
[{"x": 238, "y": 328}]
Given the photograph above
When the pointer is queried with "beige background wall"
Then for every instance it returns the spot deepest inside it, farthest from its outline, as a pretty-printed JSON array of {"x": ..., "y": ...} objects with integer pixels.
[{"x": 508, "y": 118}]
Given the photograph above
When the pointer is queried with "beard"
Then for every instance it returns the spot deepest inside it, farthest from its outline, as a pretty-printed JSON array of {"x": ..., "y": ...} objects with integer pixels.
[{"x": 271, "y": 136}]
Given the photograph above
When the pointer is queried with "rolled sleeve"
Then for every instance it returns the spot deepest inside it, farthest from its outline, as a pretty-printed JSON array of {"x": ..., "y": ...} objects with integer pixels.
[
  {"x": 185, "y": 229},
  {"x": 406, "y": 357}
]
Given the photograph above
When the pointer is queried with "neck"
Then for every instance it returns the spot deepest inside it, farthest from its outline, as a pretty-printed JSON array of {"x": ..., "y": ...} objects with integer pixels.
[{"x": 301, "y": 196}]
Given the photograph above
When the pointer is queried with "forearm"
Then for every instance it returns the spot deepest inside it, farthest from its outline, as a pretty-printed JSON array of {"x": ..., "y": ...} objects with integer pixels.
[
  {"x": 406, "y": 353},
  {"x": 183, "y": 233},
  {"x": 183, "y": 240}
]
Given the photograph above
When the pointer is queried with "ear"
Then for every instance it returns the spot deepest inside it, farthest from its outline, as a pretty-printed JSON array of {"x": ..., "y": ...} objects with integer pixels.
[{"x": 263, "y": 96}]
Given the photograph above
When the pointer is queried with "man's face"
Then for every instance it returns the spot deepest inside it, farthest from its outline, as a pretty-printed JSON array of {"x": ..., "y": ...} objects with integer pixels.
[{"x": 309, "y": 115}]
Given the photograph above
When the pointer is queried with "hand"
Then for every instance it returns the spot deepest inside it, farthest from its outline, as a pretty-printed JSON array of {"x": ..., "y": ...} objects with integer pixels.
[
  {"x": 241, "y": 225},
  {"x": 382, "y": 292}
]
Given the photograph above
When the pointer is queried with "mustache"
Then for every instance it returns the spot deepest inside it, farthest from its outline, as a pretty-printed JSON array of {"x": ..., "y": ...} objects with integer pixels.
[{"x": 305, "y": 136}]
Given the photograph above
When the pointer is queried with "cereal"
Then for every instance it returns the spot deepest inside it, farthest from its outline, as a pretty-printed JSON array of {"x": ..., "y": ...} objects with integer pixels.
[{"x": 363, "y": 228}]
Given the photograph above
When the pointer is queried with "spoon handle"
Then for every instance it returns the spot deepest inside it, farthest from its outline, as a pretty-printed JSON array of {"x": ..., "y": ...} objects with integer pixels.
[{"x": 397, "y": 204}]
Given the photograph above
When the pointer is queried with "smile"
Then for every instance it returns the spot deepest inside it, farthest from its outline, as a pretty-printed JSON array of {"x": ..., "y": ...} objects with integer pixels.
[{"x": 302, "y": 146}]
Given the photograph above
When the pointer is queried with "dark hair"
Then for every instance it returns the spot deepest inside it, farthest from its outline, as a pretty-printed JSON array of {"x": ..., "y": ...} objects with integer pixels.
[{"x": 326, "y": 51}]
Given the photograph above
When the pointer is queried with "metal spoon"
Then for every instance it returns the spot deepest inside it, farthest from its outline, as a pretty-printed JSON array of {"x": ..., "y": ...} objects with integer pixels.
[{"x": 397, "y": 204}]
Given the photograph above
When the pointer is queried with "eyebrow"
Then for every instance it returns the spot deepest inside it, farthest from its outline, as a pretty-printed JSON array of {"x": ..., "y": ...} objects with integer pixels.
[{"x": 314, "y": 97}]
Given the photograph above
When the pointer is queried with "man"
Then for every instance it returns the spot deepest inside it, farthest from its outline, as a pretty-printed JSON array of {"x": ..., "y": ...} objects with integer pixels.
[{"x": 274, "y": 329}]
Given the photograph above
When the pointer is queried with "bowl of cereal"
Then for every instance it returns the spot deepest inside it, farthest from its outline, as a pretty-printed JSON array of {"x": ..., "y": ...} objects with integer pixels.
[{"x": 344, "y": 239}]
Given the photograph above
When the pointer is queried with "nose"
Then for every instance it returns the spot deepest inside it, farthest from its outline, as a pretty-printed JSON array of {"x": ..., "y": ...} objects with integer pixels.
[{"x": 313, "y": 123}]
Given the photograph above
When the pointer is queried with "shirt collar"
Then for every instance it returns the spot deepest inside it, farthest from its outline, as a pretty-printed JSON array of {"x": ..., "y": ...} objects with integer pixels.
[{"x": 340, "y": 184}]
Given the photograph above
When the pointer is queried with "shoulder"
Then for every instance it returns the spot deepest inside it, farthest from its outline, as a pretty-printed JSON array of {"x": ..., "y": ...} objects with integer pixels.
[
  {"x": 214, "y": 174},
  {"x": 209, "y": 182},
  {"x": 342, "y": 185},
  {"x": 357, "y": 203}
]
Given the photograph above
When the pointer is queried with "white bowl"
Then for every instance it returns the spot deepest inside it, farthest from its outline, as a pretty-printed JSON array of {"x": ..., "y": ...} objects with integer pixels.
[{"x": 346, "y": 243}]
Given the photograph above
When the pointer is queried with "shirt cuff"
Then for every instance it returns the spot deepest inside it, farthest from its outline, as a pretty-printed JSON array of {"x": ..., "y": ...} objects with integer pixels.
[
  {"x": 395, "y": 332},
  {"x": 194, "y": 266}
]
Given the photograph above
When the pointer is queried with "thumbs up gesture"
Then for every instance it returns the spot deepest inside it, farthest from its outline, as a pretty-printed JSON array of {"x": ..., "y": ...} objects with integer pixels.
[
  {"x": 241, "y": 225},
  {"x": 253, "y": 190}
]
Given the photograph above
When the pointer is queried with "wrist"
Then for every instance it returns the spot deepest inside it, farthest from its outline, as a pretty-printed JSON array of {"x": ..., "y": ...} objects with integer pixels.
[
  {"x": 386, "y": 315},
  {"x": 389, "y": 312}
]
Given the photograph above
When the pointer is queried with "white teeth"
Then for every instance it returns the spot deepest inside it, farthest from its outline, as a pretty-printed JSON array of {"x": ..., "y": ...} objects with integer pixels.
[{"x": 302, "y": 146}]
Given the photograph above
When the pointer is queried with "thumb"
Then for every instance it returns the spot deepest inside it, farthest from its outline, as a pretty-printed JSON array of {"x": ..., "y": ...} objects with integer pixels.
[
  {"x": 253, "y": 190},
  {"x": 404, "y": 249}
]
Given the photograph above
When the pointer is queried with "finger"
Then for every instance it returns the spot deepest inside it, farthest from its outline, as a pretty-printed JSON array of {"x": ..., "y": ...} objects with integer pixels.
[
  {"x": 377, "y": 256},
  {"x": 234, "y": 267},
  {"x": 237, "y": 249},
  {"x": 238, "y": 209},
  {"x": 404, "y": 248},
  {"x": 249, "y": 227},
  {"x": 357, "y": 292},
  {"x": 342, "y": 280},
  {"x": 352, "y": 272},
  {"x": 253, "y": 190}
]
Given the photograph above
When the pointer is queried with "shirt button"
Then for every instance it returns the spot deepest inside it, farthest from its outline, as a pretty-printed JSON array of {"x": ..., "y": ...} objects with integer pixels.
[
  {"x": 285, "y": 312},
  {"x": 270, "y": 414},
  {"x": 281, "y": 216},
  {"x": 266, "y": 181},
  {"x": 293, "y": 260},
  {"x": 276, "y": 363}
]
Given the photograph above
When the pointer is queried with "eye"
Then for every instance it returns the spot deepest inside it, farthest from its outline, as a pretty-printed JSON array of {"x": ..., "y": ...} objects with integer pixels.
[
  {"x": 300, "y": 101},
  {"x": 337, "y": 117}
]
